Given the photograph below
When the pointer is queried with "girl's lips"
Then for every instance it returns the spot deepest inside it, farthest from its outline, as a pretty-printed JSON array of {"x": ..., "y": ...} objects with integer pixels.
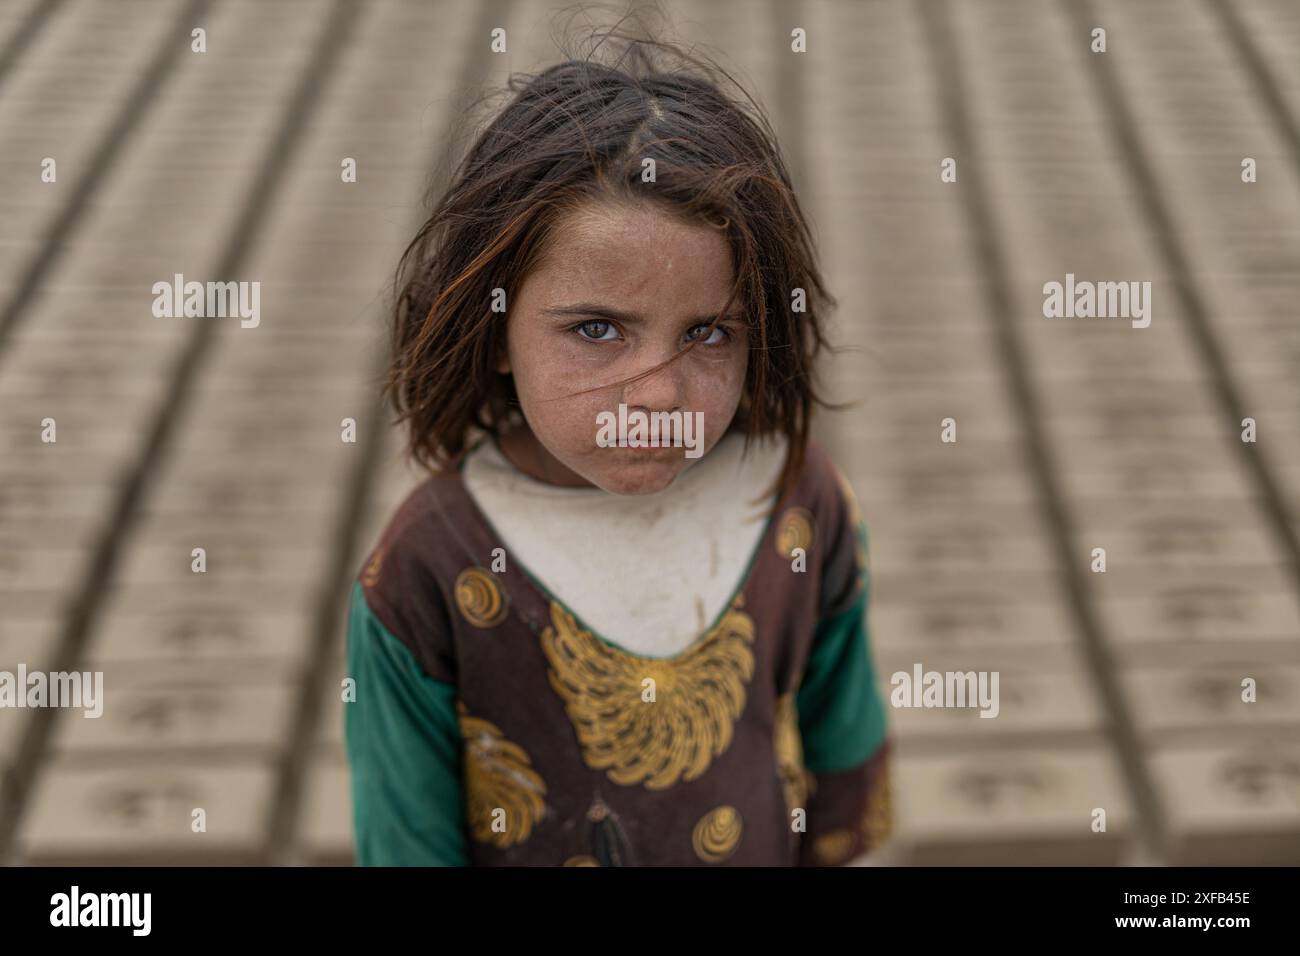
[{"x": 649, "y": 448}]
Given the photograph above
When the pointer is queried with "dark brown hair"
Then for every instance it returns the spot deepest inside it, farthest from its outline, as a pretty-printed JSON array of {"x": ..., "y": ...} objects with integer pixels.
[{"x": 578, "y": 132}]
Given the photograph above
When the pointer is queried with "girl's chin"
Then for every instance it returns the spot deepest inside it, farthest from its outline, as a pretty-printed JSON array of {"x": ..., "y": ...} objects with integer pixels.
[{"x": 647, "y": 477}]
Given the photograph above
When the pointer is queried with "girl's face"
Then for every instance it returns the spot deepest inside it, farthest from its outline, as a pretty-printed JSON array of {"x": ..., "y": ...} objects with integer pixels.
[{"x": 619, "y": 290}]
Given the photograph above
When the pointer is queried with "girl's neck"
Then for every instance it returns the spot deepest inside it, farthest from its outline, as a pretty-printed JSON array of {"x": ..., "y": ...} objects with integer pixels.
[{"x": 520, "y": 447}]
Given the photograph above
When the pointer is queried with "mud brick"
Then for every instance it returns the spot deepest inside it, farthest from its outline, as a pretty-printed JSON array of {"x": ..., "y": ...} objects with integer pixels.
[
  {"x": 28, "y": 640},
  {"x": 258, "y": 430},
  {"x": 306, "y": 406},
  {"x": 1264, "y": 394},
  {"x": 1277, "y": 368},
  {"x": 80, "y": 413},
  {"x": 953, "y": 618},
  {"x": 962, "y": 551},
  {"x": 114, "y": 442},
  {"x": 1260, "y": 575},
  {"x": 1288, "y": 479},
  {"x": 13, "y": 725},
  {"x": 68, "y": 495},
  {"x": 1204, "y": 611},
  {"x": 1155, "y": 481},
  {"x": 907, "y": 360},
  {"x": 1281, "y": 451},
  {"x": 989, "y": 519},
  {"x": 1202, "y": 701},
  {"x": 1098, "y": 359},
  {"x": 920, "y": 422},
  {"x": 923, "y": 482},
  {"x": 356, "y": 311},
  {"x": 1012, "y": 807},
  {"x": 1262, "y": 351},
  {"x": 50, "y": 354},
  {"x": 299, "y": 530},
  {"x": 150, "y": 563},
  {"x": 1151, "y": 654},
  {"x": 318, "y": 450},
  {"x": 1158, "y": 471},
  {"x": 329, "y": 731},
  {"x": 320, "y": 355},
  {"x": 144, "y": 814},
  {"x": 1004, "y": 457},
  {"x": 329, "y": 726},
  {"x": 200, "y": 634},
  {"x": 1137, "y": 455},
  {"x": 78, "y": 325},
  {"x": 146, "y": 720},
  {"x": 917, "y": 586},
  {"x": 908, "y": 352},
  {"x": 250, "y": 596},
  {"x": 73, "y": 534},
  {"x": 1234, "y": 804},
  {"x": 177, "y": 672},
  {"x": 1123, "y": 349},
  {"x": 27, "y": 568},
  {"x": 1153, "y": 541},
  {"x": 986, "y": 395},
  {"x": 59, "y": 463},
  {"x": 1044, "y": 696},
  {"x": 140, "y": 380},
  {"x": 940, "y": 545},
  {"x": 191, "y": 463},
  {"x": 25, "y": 605},
  {"x": 1278, "y": 432},
  {"x": 327, "y": 837},
  {"x": 1105, "y": 425},
  {"x": 1134, "y": 404},
  {"x": 243, "y": 491}
]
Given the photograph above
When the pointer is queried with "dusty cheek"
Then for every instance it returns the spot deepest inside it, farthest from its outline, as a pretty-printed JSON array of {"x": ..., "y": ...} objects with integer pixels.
[
  {"x": 718, "y": 400},
  {"x": 566, "y": 427}
]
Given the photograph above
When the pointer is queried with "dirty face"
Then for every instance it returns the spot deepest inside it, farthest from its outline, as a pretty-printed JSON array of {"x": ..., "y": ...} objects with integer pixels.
[{"x": 619, "y": 290}]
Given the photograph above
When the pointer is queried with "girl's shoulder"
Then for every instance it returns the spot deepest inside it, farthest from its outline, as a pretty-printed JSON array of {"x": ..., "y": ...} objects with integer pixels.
[
  {"x": 409, "y": 575},
  {"x": 822, "y": 509},
  {"x": 823, "y": 486}
]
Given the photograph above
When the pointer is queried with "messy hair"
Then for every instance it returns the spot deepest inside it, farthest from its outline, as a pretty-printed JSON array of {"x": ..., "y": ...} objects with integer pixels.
[{"x": 579, "y": 132}]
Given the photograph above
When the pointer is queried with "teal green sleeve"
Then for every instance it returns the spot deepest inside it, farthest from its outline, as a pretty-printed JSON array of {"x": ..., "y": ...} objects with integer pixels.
[
  {"x": 841, "y": 713},
  {"x": 404, "y": 746}
]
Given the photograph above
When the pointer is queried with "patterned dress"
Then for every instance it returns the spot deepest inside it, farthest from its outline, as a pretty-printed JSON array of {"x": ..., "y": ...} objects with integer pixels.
[{"x": 491, "y": 727}]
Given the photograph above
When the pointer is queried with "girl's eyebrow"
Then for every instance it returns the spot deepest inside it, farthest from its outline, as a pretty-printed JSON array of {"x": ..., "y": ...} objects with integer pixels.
[
  {"x": 630, "y": 318},
  {"x": 604, "y": 312}
]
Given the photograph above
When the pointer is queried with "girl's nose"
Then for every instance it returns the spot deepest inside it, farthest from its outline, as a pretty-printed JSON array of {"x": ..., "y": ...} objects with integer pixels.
[{"x": 658, "y": 391}]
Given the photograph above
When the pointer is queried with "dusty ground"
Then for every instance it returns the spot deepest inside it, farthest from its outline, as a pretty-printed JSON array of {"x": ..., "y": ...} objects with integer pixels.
[{"x": 1121, "y": 691}]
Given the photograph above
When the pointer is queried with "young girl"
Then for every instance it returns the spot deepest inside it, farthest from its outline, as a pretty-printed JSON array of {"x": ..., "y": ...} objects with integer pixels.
[{"x": 572, "y": 650}]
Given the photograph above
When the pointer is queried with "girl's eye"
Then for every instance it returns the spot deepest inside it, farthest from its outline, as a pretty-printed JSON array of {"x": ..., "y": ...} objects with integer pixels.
[
  {"x": 716, "y": 336},
  {"x": 598, "y": 330}
]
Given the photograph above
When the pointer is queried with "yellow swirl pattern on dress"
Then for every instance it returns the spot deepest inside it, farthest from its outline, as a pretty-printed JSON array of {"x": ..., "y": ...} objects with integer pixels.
[
  {"x": 794, "y": 530},
  {"x": 878, "y": 821},
  {"x": 699, "y": 695},
  {"x": 498, "y": 776},
  {"x": 581, "y": 861},
  {"x": 479, "y": 598},
  {"x": 834, "y": 848},
  {"x": 717, "y": 834},
  {"x": 795, "y": 779},
  {"x": 370, "y": 576}
]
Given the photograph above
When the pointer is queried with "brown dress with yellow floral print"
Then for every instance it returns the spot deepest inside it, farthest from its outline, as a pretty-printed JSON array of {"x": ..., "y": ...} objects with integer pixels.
[{"x": 577, "y": 752}]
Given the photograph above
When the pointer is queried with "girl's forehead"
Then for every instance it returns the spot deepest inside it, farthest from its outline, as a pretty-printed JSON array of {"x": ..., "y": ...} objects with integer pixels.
[{"x": 614, "y": 243}]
